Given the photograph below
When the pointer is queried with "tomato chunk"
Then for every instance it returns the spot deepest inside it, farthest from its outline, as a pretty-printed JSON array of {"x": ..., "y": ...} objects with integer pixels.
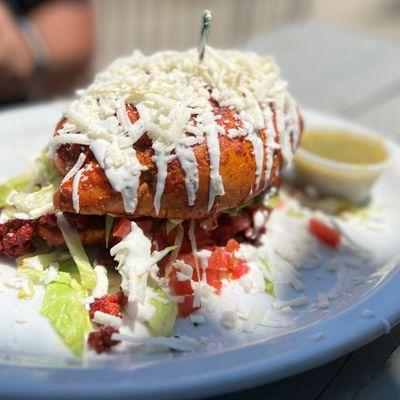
[
  {"x": 324, "y": 233},
  {"x": 218, "y": 260},
  {"x": 222, "y": 264},
  {"x": 240, "y": 269},
  {"x": 232, "y": 245},
  {"x": 121, "y": 228},
  {"x": 214, "y": 279},
  {"x": 186, "y": 306},
  {"x": 179, "y": 287}
]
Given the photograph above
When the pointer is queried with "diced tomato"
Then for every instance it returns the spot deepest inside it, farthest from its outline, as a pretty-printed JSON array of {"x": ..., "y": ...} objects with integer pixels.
[
  {"x": 195, "y": 276},
  {"x": 121, "y": 228},
  {"x": 187, "y": 258},
  {"x": 218, "y": 260},
  {"x": 179, "y": 288},
  {"x": 240, "y": 269},
  {"x": 186, "y": 306},
  {"x": 214, "y": 279},
  {"x": 224, "y": 261},
  {"x": 326, "y": 234},
  {"x": 222, "y": 264},
  {"x": 232, "y": 245}
]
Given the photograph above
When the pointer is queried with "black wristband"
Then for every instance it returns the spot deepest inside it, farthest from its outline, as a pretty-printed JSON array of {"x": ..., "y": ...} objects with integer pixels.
[{"x": 35, "y": 42}]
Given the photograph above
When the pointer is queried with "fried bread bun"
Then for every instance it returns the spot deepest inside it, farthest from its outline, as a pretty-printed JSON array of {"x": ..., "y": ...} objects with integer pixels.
[
  {"x": 166, "y": 137},
  {"x": 237, "y": 170}
]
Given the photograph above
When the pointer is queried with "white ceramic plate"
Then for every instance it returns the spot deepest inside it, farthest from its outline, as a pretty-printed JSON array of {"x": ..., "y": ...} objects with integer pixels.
[{"x": 30, "y": 350}]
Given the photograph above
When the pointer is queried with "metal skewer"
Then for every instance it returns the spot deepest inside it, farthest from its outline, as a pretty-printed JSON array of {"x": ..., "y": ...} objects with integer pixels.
[{"x": 205, "y": 30}]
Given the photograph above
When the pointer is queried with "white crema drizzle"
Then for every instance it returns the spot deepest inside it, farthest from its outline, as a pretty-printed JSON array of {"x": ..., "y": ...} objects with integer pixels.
[
  {"x": 258, "y": 152},
  {"x": 75, "y": 168},
  {"x": 188, "y": 163},
  {"x": 171, "y": 92},
  {"x": 123, "y": 172},
  {"x": 75, "y": 190},
  {"x": 161, "y": 158}
]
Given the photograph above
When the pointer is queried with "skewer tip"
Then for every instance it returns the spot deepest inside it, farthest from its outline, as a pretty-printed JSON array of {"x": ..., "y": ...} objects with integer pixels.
[{"x": 205, "y": 30}]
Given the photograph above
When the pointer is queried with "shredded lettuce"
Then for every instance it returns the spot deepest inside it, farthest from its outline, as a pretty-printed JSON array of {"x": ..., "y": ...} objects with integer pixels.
[
  {"x": 172, "y": 224},
  {"x": 41, "y": 269},
  {"x": 62, "y": 305},
  {"x": 291, "y": 212},
  {"x": 47, "y": 172},
  {"x": 18, "y": 183},
  {"x": 78, "y": 253},
  {"x": 35, "y": 276},
  {"x": 23, "y": 188},
  {"x": 162, "y": 322},
  {"x": 28, "y": 291},
  {"x": 109, "y": 224},
  {"x": 70, "y": 268},
  {"x": 135, "y": 262},
  {"x": 30, "y": 205},
  {"x": 273, "y": 201},
  {"x": 43, "y": 261},
  {"x": 268, "y": 285}
]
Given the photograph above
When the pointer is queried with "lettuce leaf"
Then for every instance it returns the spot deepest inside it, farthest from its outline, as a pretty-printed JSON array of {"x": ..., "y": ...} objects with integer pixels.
[
  {"x": 30, "y": 205},
  {"x": 171, "y": 225},
  {"x": 63, "y": 307},
  {"x": 109, "y": 224},
  {"x": 42, "y": 174},
  {"x": 17, "y": 183},
  {"x": 87, "y": 275},
  {"x": 69, "y": 267},
  {"x": 268, "y": 284},
  {"x": 162, "y": 322},
  {"x": 273, "y": 201},
  {"x": 27, "y": 292},
  {"x": 47, "y": 172},
  {"x": 43, "y": 261},
  {"x": 41, "y": 269},
  {"x": 269, "y": 287}
]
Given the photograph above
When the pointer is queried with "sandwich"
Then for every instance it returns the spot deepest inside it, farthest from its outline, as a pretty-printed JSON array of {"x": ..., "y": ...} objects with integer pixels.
[{"x": 155, "y": 174}]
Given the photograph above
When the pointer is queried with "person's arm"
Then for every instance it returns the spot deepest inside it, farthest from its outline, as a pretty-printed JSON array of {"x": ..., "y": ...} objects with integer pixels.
[
  {"x": 65, "y": 31},
  {"x": 17, "y": 62}
]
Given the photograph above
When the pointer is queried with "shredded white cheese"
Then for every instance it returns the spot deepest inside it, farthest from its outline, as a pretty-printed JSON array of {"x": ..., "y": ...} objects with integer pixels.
[
  {"x": 229, "y": 319},
  {"x": 182, "y": 343},
  {"x": 107, "y": 319},
  {"x": 296, "y": 302},
  {"x": 75, "y": 168},
  {"x": 135, "y": 262},
  {"x": 101, "y": 288},
  {"x": 75, "y": 191},
  {"x": 197, "y": 318},
  {"x": 172, "y": 93}
]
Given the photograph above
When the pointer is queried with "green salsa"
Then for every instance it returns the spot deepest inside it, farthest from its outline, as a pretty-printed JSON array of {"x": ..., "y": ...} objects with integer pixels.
[{"x": 343, "y": 146}]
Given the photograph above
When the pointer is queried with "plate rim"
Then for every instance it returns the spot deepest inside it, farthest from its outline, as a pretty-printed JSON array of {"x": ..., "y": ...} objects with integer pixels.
[
  {"x": 58, "y": 383},
  {"x": 46, "y": 383}
]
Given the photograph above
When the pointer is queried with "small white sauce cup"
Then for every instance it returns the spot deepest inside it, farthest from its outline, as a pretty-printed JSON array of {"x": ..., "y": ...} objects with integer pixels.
[{"x": 351, "y": 182}]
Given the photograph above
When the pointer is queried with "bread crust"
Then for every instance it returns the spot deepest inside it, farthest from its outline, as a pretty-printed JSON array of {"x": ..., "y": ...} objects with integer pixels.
[{"x": 237, "y": 170}]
